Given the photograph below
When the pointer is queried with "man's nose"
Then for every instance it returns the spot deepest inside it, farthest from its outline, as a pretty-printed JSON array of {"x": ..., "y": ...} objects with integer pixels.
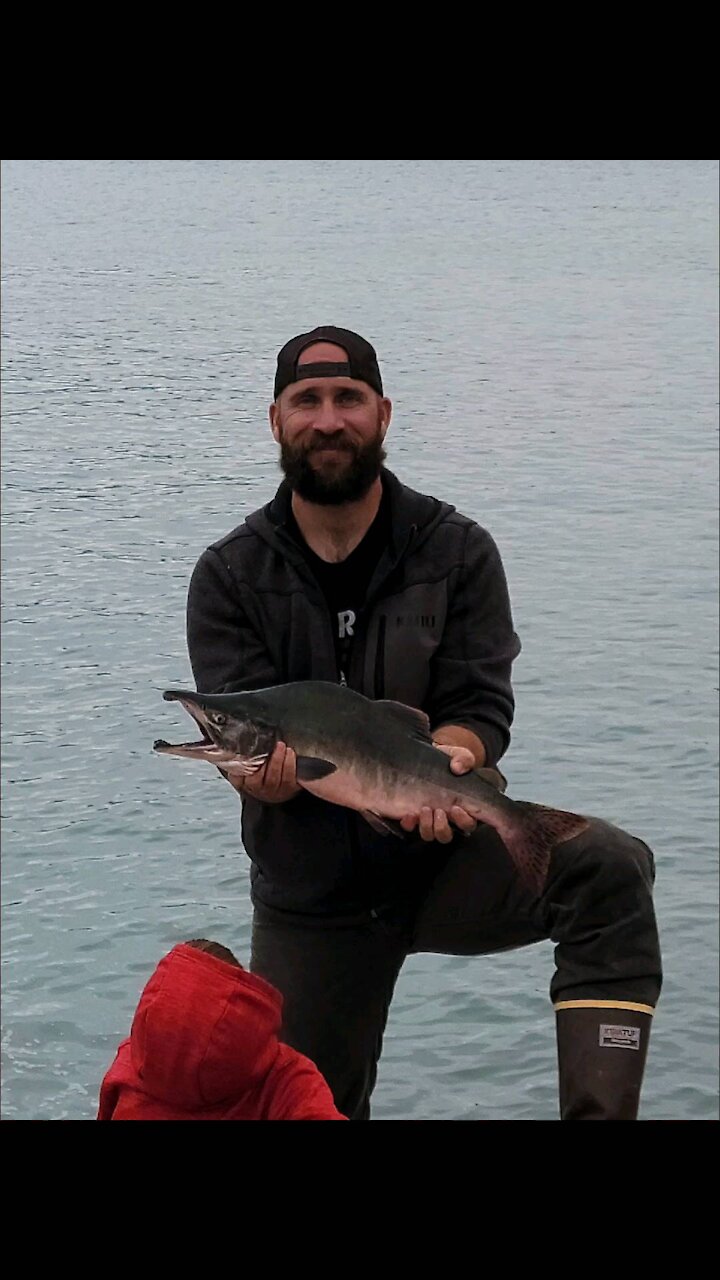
[{"x": 328, "y": 417}]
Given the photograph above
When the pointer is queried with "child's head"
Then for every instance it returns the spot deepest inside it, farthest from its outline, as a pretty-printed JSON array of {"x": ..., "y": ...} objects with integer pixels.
[{"x": 213, "y": 949}]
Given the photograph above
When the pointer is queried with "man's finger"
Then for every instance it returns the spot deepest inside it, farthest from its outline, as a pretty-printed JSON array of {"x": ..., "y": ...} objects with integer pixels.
[
  {"x": 462, "y": 761},
  {"x": 277, "y": 766},
  {"x": 462, "y": 819},
  {"x": 441, "y": 827},
  {"x": 289, "y": 768},
  {"x": 265, "y": 779},
  {"x": 426, "y": 824}
]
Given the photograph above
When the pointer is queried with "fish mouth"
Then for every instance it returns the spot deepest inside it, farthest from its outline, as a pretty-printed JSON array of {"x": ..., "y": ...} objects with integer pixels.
[
  {"x": 206, "y": 748},
  {"x": 211, "y": 746}
]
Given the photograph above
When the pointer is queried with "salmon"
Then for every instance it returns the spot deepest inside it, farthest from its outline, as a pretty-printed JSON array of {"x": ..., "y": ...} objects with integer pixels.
[{"x": 376, "y": 757}]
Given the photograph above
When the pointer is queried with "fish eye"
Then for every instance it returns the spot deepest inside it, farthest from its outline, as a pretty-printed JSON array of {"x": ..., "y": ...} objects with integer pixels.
[{"x": 219, "y": 718}]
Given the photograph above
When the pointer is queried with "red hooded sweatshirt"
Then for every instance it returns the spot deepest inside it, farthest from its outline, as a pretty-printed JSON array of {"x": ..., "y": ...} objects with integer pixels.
[{"x": 204, "y": 1046}]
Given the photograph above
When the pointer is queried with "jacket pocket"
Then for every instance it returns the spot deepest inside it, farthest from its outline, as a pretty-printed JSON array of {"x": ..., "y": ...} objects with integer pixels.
[{"x": 403, "y": 635}]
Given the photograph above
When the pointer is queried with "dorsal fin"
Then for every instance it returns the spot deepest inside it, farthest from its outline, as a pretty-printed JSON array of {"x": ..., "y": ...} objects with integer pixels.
[{"x": 414, "y": 721}]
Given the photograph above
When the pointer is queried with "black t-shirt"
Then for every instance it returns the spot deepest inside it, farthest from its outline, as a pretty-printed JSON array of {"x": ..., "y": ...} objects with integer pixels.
[{"x": 344, "y": 583}]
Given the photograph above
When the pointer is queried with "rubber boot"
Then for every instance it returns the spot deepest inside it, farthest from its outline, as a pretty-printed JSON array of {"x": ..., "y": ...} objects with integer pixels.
[{"x": 602, "y": 1048}]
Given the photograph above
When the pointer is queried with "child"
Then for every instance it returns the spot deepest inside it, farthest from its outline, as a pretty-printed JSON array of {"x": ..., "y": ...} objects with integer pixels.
[{"x": 204, "y": 1046}]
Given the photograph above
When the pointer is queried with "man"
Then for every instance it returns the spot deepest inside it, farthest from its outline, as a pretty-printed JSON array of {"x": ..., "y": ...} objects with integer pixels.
[{"x": 348, "y": 575}]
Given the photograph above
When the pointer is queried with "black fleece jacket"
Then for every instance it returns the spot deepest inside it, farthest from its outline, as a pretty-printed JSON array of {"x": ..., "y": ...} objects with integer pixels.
[{"x": 435, "y": 632}]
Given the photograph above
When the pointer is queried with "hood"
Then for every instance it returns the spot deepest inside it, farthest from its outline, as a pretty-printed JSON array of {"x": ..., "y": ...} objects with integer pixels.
[{"x": 204, "y": 1030}]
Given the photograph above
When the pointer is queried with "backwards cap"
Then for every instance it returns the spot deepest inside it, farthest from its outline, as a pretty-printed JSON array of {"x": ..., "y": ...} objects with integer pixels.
[{"x": 361, "y": 360}]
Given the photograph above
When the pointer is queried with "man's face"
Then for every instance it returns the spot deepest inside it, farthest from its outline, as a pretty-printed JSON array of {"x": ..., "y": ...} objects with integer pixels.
[{"x": 330, "y": 432}]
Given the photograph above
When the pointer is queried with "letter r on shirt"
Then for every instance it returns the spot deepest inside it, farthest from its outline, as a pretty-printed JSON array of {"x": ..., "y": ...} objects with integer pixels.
[{"x": 346, "y": 622}]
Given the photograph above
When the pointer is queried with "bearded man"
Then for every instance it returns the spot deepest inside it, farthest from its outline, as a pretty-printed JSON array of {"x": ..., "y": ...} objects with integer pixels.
[{"x": 350, "y": 576}]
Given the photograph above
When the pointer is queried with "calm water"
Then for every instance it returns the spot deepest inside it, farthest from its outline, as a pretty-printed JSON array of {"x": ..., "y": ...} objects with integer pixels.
[{"x": 548, "y": 333}]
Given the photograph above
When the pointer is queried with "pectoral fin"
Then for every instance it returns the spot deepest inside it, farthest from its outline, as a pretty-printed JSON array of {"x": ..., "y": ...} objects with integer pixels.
[
  {"x": 494, "y": 777},
  {"x": 384, "y": 826},
  {"x": 311, "y": 768}
]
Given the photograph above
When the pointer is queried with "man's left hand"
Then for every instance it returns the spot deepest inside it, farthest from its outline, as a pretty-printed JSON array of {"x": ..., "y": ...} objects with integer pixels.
[{"x": 434, "y": 824}]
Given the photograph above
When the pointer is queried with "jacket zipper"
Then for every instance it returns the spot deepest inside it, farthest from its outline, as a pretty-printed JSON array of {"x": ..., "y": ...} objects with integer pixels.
[
  {"x": 379, "y": 690},
  {"x": 379, "y": 679}
]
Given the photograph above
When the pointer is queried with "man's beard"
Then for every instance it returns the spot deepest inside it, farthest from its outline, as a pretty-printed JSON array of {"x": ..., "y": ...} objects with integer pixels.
[{"x": 331, "y": 486}]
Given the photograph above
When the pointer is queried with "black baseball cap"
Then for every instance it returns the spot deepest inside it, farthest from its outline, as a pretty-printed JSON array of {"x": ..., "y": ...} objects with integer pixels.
[{"x": 361, "y": 360}]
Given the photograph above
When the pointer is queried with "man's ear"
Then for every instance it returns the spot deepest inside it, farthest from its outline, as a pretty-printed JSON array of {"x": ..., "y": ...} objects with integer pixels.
[
  {"x": 385, "y": 414},
  {"x": 274, "y": 423}
]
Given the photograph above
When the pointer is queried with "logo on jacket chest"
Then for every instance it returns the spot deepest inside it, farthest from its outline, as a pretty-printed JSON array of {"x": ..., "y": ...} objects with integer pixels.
[{"x": 415, "y": 620}]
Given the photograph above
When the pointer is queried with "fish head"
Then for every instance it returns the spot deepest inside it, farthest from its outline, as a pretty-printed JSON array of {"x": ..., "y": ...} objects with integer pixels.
[{"x": 233, "y": 728}]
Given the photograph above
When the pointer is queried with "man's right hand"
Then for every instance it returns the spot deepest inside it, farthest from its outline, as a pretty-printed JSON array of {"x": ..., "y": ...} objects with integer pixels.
[{"x": 274, "y": 783}]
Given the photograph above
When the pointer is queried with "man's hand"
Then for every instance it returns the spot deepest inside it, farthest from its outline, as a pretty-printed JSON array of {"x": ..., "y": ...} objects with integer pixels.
[
  {"x": 434, "y": 824},
  {"x": 274, "y": 783}
]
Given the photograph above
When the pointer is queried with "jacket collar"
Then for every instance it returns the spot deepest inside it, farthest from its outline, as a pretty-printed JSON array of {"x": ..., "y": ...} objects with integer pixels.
[{"x": 410, "y": 512}]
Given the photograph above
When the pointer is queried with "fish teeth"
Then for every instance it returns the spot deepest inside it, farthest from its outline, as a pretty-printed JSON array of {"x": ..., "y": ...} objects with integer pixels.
[{"x": 250, "y": 765}]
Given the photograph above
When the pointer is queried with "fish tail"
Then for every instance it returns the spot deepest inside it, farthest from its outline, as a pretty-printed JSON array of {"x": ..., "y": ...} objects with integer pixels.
[{"x": 531, "y": 836}]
